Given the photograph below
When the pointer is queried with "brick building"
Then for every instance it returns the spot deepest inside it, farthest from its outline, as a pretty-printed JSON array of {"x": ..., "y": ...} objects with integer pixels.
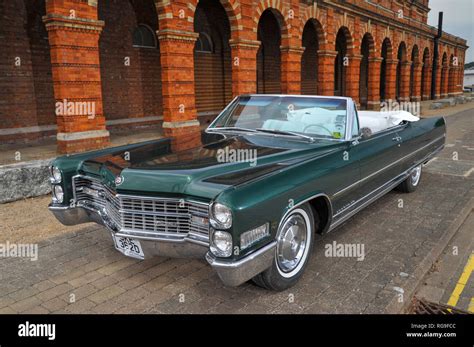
[{"x": 177, "y": 63}]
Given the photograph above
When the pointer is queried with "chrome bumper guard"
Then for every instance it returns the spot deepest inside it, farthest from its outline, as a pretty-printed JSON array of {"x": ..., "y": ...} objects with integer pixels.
[{"x": 237, "y": 272}]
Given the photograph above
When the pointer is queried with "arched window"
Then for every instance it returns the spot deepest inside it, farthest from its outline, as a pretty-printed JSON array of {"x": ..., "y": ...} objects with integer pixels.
[
  {"x": 143, "y": 36},
  {"x": 204, "y": 43}
]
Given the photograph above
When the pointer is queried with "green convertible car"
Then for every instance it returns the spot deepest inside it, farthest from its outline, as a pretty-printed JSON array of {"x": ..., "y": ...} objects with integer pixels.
[{"x": 272, "y": 171}]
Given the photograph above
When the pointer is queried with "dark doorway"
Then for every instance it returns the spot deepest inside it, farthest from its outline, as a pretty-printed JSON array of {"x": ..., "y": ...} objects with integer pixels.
[
  {"x": 364, "y": 71},
  {"x": 269, "y": 55},
  {"x": 212, "y": 58},
  {"x": 340, "y": 63},
  {"x": 309, "y": 60}
]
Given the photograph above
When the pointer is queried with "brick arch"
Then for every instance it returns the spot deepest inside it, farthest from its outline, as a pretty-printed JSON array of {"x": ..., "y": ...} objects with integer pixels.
[
  {"x": 349, "y": 39},
  {"x": 372, "y": 45},
  {"x": 444, "y": 59},
  {"x": 279, "y": 10},
  {"x": 426, "y": 73},
  {"x": 415, "y": 54},
  {"x": 366, "y": 70},
  {"x": 322, "y": 38},
  {"x": 426, "y": 54},
  {"x": 312, "y": 39},
  {"x": 402, "y": 46},
  {"x": 231, "y": 7},
  {"x": 313, "y": 14},
  {"x": 388, "y": 41}
]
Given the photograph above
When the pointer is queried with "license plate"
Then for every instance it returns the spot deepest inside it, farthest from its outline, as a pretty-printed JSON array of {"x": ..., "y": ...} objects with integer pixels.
[{"x": 129, "y": 247}]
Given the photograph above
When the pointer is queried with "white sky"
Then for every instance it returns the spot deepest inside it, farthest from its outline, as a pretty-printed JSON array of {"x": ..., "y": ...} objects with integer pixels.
[{"x": 458, "y": 20}]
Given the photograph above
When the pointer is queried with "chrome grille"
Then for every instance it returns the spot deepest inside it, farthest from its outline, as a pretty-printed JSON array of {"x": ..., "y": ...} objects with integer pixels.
[{"x": 145, "y": 217}]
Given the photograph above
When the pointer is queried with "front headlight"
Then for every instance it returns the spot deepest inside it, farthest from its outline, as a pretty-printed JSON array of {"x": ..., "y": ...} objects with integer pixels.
[
  {"x": 58, "y": 194},
  {"x": 221, "y": 243},
  {"x": 221, "y": 216},
  {"x": 56, "y": 174}
]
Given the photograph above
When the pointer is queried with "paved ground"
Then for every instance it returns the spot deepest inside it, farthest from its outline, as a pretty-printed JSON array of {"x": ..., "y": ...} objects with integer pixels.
[
  {"x": 451, "y": 279},
  {"x": 78, "y": 269}
]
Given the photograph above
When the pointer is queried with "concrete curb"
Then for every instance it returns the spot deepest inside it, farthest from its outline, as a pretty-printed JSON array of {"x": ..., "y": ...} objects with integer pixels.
[
  {"x": 414, "y": 281},
  {"x": 24, "y": 180}
]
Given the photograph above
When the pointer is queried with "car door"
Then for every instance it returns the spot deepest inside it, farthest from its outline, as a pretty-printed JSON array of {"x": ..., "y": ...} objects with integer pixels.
[
  {"x": 347, "y": 175},
  {"x": 379, "y": 160}
]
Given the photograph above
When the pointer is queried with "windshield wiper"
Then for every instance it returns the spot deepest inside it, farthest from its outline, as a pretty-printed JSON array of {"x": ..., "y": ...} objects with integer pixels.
[
  {"x": 284, "y": 132},
  {"x": 232, "y": 129}
]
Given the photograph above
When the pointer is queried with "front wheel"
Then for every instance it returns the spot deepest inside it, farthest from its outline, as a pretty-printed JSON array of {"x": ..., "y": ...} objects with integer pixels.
[
  {"x": 295, "y": 238},
  {"x": 412, "y": 181}
]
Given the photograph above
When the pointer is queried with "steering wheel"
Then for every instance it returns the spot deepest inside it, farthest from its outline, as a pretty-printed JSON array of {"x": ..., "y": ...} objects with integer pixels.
[{"x": 319, "y": 126}]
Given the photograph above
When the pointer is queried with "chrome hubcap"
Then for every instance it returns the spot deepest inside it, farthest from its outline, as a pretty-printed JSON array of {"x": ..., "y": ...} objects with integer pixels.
[
  {"x": 415, "y": 175},
  {"x": 291, "y": 243}
]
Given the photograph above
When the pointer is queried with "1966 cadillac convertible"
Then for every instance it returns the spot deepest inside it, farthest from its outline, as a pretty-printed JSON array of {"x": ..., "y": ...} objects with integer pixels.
[{"x": 316, "y": 162}]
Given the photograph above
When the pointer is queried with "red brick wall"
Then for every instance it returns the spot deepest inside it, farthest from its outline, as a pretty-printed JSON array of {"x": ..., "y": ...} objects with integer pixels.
[
  {"x": 134, "y": 90},
  {"x": 175, "y": 82},
  {"x": 26, "y": 91}
]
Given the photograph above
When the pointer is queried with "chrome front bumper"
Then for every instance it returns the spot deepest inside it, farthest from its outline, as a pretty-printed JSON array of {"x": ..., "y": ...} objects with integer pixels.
[
  {"x": 232, "y": 273},
  {"x": 237, "y": 272}
]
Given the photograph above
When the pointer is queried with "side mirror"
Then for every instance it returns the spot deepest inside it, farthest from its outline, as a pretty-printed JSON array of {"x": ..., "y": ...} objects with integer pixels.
[{"x": 365, "y": 133}]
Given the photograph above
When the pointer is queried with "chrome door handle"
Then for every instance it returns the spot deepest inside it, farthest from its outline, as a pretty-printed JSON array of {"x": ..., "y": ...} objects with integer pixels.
[{"x": 398, "y": 139}]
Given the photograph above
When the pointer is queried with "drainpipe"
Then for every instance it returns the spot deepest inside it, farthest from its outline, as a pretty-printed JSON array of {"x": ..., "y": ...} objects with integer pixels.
[{"x": 436, "y": 54}]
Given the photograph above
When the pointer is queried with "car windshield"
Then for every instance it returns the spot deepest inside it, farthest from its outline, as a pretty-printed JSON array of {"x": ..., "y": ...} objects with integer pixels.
[{"x": 291, "y": 115}]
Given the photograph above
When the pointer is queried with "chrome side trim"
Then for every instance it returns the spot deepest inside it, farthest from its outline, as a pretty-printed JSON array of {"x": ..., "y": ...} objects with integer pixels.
[
  {"x": 388, "y": 166},
  {"x": 386, "y": 187},
  {"x": 389, "y": 187}
]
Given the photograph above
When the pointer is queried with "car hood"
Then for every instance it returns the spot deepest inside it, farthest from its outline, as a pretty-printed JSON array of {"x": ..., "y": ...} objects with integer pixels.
[{"x": 204, "y": 171}]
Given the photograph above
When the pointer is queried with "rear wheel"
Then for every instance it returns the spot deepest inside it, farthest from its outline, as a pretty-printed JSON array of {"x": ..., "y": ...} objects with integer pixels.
[
  {"x": 412, "y": 181},
  {"x": 295, "y": 239}
]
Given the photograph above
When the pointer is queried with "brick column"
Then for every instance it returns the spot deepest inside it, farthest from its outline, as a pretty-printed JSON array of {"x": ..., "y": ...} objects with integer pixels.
[
  {"x": 177, "y": 78},
  {"x": 417, "y": 82},
  {"x": 427, "y": 82},
  {"x": 326, "y": 71},
  {"x": 353, "y": 77},
  {"x": 244, "y": 66},
  {"x": 373, "y": 100},
  {"x": 405, "y": 81},
  {"x": 391, "y": 79},
  {"x": 291, "y": 69},
  {"x": 73, "y": 32}
]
